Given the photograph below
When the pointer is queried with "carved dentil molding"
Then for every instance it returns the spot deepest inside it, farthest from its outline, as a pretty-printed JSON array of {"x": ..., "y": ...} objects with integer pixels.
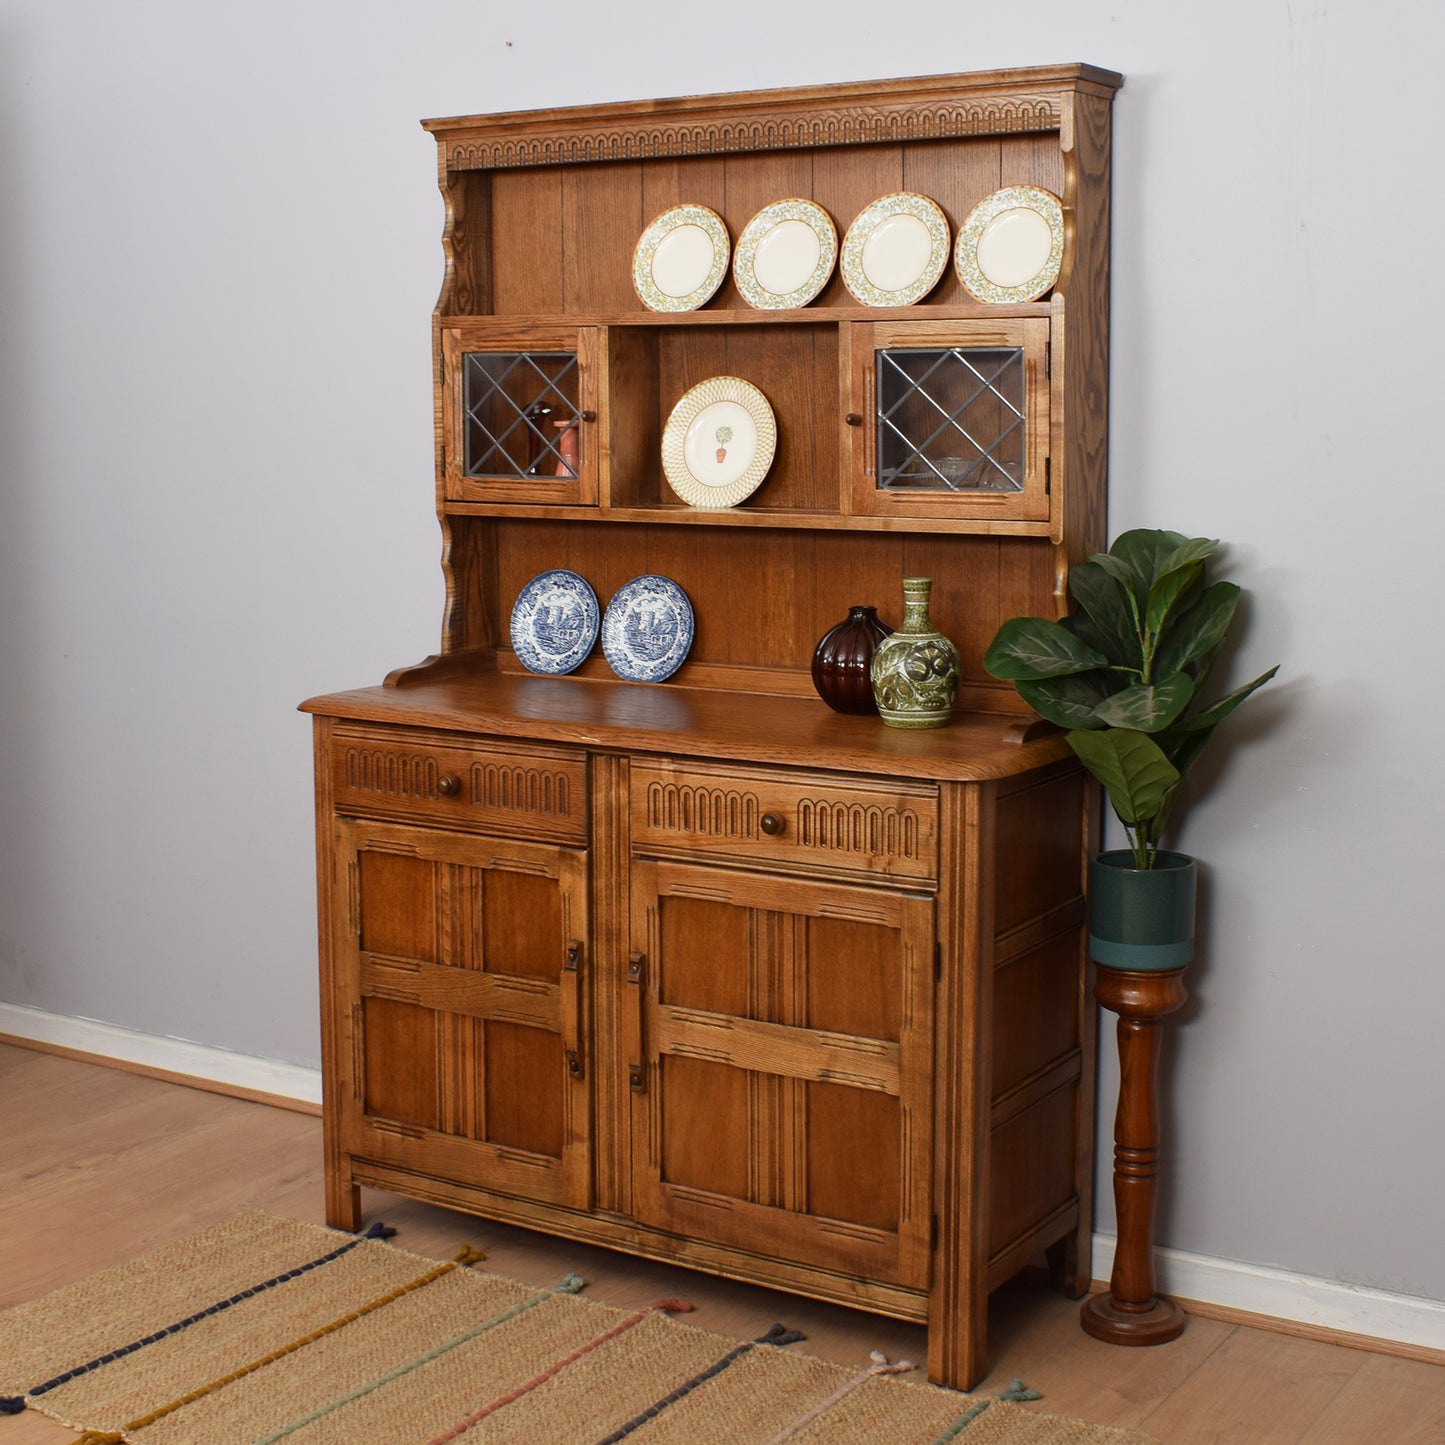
[{"x": 649, "y": 138}]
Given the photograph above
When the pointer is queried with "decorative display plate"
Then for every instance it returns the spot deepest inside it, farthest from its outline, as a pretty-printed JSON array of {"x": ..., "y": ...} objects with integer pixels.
[
  {"x": 1012, "y": 245},
  {"x": 785, "y": 255},
  {"x": 718, "y": 443},
  {"x": 681, "y": 259},
  {"x": 648, "y": 629},
  {"x": 896, "y": 250},
  {"x": 554, "y": 622}
]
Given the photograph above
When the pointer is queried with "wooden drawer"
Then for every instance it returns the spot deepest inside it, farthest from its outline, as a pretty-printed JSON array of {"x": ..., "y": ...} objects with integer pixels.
[
  {"x": 812, "y": 823},
  {"x": 460, "y": 782}
]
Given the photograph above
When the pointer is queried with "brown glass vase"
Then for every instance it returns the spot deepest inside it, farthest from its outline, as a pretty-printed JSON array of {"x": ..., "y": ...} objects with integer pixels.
[{"x": 842, "y": 660}]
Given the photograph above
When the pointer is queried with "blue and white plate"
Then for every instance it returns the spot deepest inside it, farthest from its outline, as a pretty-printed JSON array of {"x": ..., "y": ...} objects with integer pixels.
[
  {"x": 554, "y": 622},
  {"x": 648, "y": 629}
]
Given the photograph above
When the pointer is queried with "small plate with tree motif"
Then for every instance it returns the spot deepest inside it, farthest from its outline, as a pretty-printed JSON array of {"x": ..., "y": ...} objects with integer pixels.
[{"x": 718, "y": 443}]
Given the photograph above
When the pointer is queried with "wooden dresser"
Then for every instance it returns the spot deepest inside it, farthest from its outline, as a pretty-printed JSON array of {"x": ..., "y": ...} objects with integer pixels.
[{"x": 701, "y": 969}]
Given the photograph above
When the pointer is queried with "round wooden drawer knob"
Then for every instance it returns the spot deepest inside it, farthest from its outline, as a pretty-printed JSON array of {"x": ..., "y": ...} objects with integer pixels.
[
  {"x": 449, "y": 786},
  {"x": 773, "y": 824}
]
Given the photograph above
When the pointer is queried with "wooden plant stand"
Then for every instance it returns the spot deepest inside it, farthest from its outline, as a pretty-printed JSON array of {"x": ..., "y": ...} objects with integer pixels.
[{"x": 1131, "y": 1313}]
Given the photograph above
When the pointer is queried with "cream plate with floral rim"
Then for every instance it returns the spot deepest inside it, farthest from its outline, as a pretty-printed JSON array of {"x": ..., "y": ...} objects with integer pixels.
[
  {"x": 1012, "y": 245},
  {"x": 896, "y": 250},
  {"x": 718, "y": 443},
  {"x": 785, "y": 255},
  {"x": 681, "y": 259}
]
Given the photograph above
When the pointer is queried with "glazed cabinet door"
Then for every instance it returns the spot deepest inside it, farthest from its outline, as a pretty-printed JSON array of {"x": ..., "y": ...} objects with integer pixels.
[
  {"x": 782, "y": 1065},
  {"x": 954, "y": 420},
  {"x": 460, "y": 972},
  {"x": 519, "y": 412}
]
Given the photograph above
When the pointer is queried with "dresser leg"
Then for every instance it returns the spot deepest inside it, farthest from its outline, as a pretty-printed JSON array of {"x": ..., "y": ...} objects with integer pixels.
[
  {"x": 957, "y": 1335},
  {"x": 343, "y": 1199},
  {"x": 1065, "y": 1275}
]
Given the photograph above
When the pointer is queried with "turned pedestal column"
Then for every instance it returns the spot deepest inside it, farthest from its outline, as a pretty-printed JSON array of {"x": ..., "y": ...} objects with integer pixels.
[{"x": 1131, "y": 1313}]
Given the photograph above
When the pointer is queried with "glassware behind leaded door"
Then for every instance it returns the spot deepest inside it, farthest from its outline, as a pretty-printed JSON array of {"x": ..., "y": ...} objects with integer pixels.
[
  {"x": 520, "y": 414},
  {"x": 951, "y": 419}
]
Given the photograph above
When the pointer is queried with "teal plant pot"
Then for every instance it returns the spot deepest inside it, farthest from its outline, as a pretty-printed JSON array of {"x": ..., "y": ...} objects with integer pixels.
[{"x": 1141, "y": 919}]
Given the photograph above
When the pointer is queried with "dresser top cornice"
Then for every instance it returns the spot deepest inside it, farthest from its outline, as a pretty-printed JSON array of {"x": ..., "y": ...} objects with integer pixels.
[{"x": 916, "y": 108}]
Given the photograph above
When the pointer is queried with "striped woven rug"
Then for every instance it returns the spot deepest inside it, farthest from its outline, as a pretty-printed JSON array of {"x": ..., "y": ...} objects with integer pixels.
[{"x": 263, "y": 1330}]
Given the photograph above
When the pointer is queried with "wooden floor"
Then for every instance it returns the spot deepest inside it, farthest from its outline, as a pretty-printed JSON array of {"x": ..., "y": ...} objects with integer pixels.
[{"x": 97, "y": 1165}]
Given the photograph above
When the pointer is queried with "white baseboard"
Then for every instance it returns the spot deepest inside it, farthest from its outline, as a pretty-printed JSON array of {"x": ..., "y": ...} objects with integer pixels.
[
  {"x": 175, "y": 1056},
  {"x": 1230, "y": 1284},
  {"x": 1301, "y": 1298}
]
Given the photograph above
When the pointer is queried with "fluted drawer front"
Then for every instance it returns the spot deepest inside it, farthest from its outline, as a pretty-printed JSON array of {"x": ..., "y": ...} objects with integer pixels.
[
  {"x": 537, "y": 792},
  {"x": 813, "y": 822}
]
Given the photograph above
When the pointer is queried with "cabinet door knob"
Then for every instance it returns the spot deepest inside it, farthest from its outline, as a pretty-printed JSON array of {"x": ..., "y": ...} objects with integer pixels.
[
  {"x": 773, "y": 824},
  {"x": 853, "y": 419},
  {"x": 587, "y": 416},
  {"x": 449, "y": 786}
]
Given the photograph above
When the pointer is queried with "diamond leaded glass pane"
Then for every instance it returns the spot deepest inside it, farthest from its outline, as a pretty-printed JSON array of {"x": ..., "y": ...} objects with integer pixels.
[
  {"x": 520, "y": 413},
  {"x": 951, "y": 419}
]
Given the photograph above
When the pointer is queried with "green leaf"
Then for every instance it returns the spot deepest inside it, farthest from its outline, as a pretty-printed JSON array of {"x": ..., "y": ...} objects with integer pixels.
[
  {"x": 1182, "y": 748},
  {"x": 1172, "y": 595},
  {"x": 1109, "y": 606},
  {"x": 1216, "y": 713},
  {"x": 1147, "y": 552},
  {"x": 1067, "y": 701},
  {"x": 1194, "y": 638},
  {"x": 1082, "y": 626},
  {"x": 1031, "y": 648},
  {"x": 1134, "y": 587},
  {"x": 1133, "y": 769},
  {"x": 1147, "y": 708},
  {"x": 1185, "y": 740},
  {"x": 1196, "y": 549}
]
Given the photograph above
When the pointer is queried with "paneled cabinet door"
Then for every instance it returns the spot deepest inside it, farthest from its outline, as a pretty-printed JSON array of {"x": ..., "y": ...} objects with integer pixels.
[
  {"x": 461, "y": 970},
  {"x": 782, "y": 1067}
]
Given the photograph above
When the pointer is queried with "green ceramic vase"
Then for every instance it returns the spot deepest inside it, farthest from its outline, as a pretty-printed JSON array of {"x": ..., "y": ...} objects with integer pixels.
[
  {"x": 1141, "y": 919},
  {"x": 915, "y": 671}
]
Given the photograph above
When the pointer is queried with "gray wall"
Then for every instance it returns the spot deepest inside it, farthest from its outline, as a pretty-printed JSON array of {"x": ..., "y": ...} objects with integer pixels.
[{"x": 218, "y": 254}]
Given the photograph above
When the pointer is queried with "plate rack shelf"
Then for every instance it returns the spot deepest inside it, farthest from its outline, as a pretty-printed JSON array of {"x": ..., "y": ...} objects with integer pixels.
[{"x": 544, "y": 211}]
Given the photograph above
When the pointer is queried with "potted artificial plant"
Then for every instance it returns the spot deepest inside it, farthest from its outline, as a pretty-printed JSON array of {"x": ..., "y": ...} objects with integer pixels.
[{"x": 1124, "y": 673}]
